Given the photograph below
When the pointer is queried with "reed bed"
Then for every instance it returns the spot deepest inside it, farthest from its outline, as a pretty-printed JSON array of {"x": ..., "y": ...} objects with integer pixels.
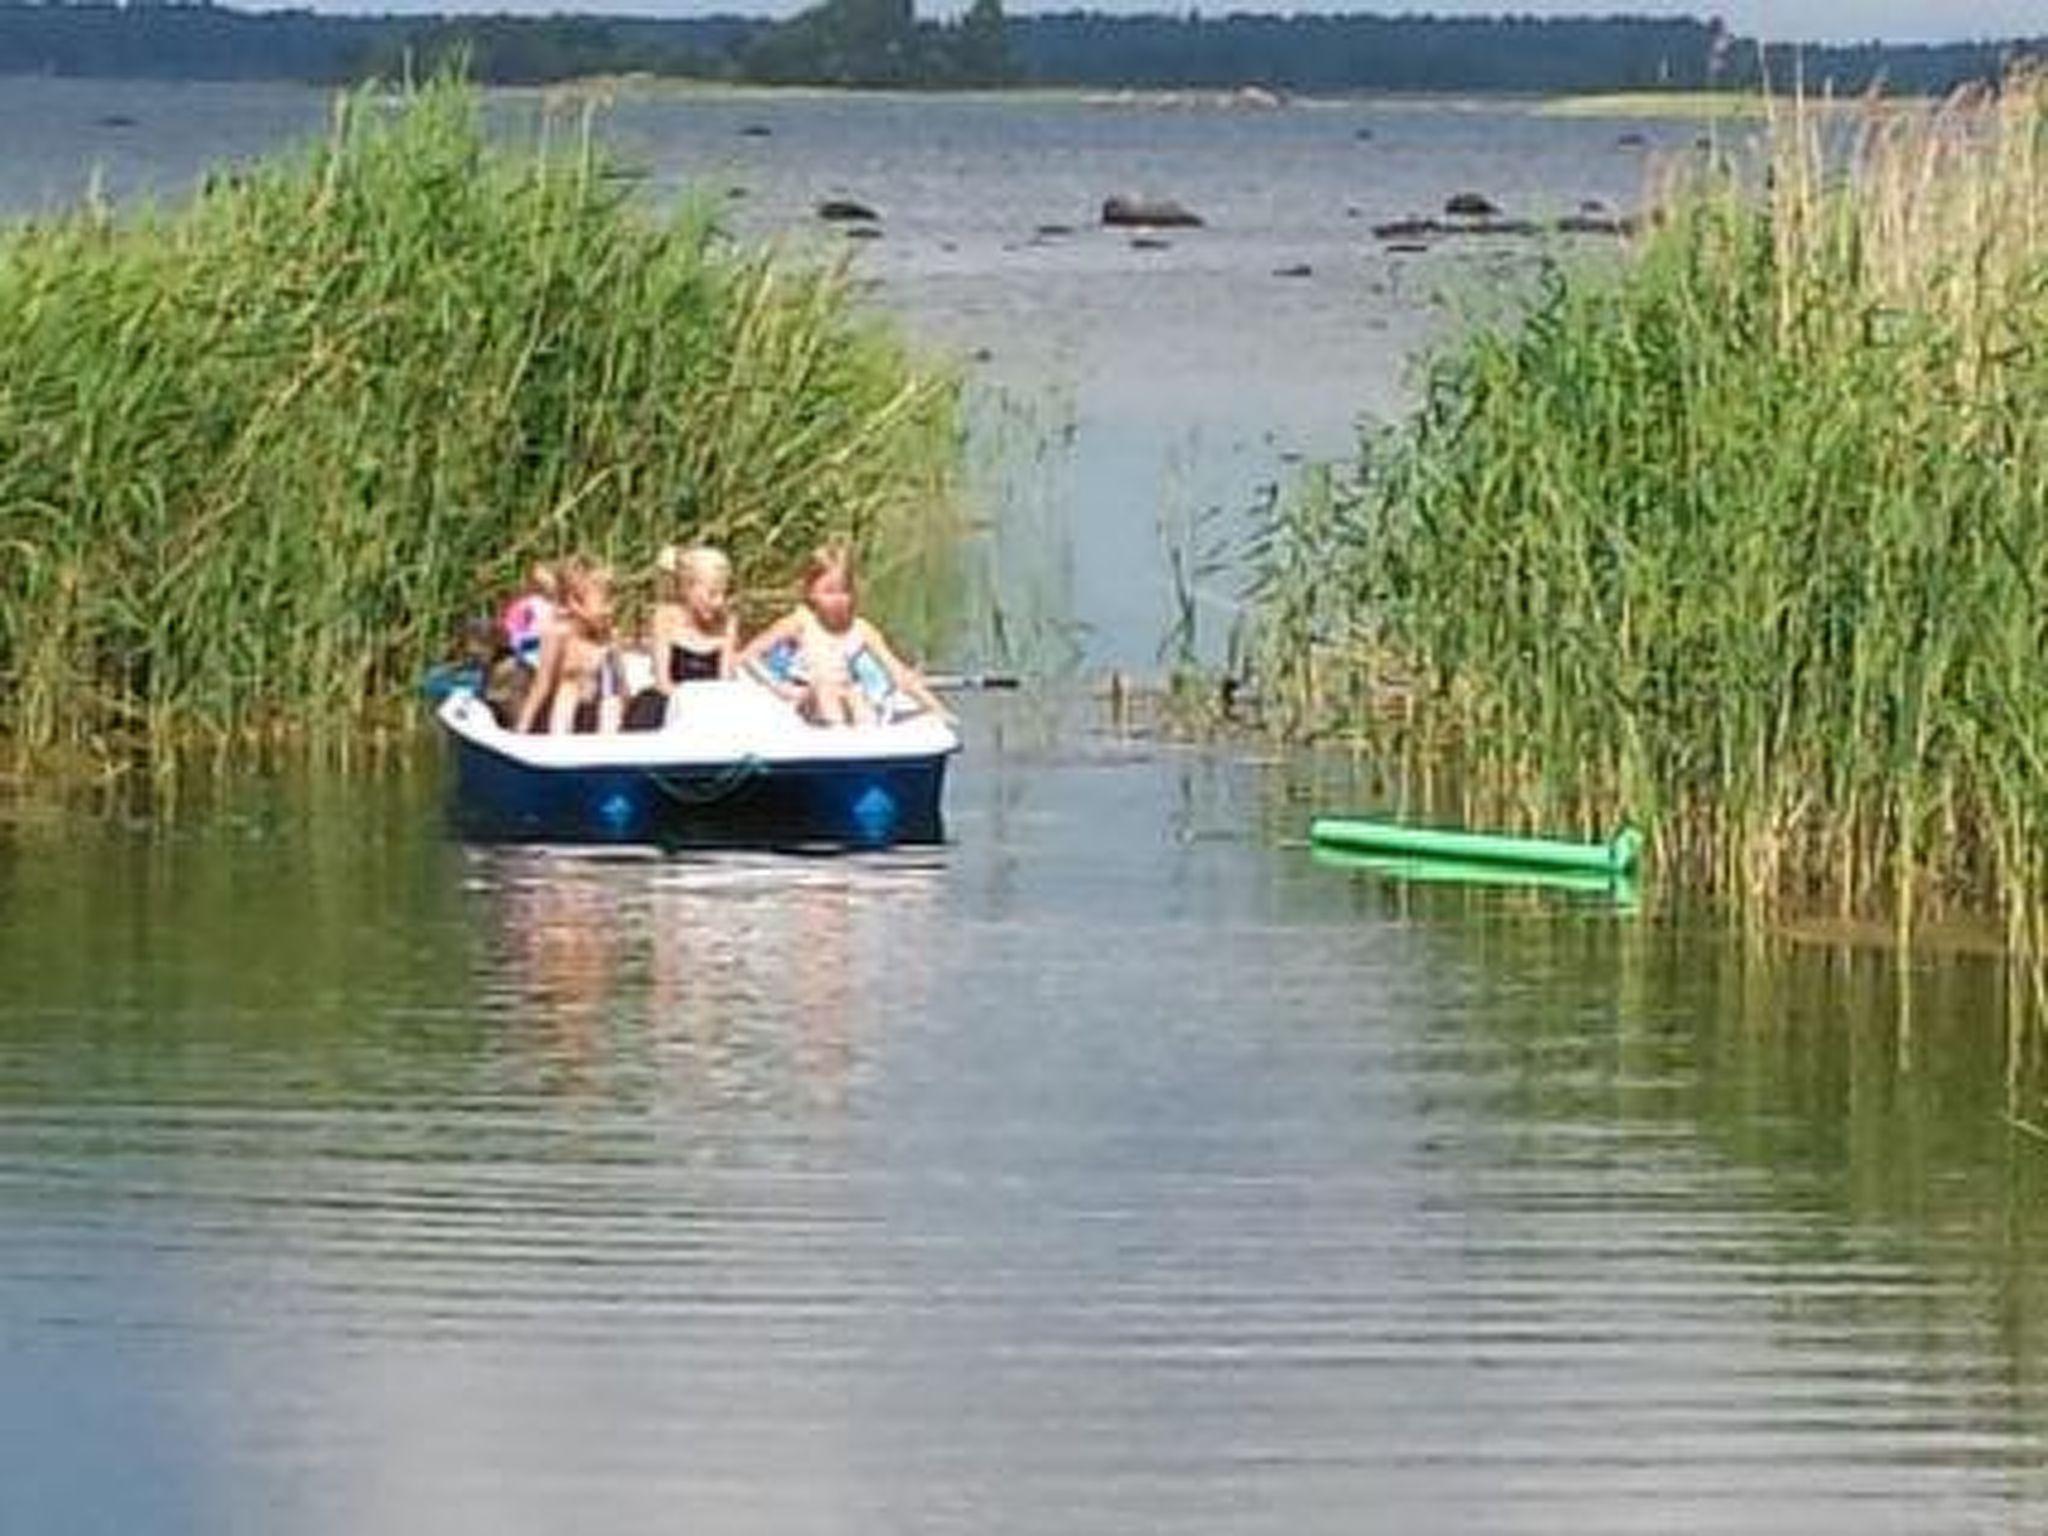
[
  {"x": 264, "y": 452},
  {"x": 1744, "y": 540}
]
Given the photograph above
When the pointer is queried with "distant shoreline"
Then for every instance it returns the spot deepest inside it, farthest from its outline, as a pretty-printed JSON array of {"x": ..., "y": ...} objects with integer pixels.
[
  {"x": 1674, "y": 104},
  {"x": 1693, "y": 105},
  {"x": 1704, "y": 106},
  {"x": 1248, "y": 97}
]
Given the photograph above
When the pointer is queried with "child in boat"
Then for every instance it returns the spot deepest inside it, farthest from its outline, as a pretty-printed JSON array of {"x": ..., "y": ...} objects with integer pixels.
[
  {"x": 833, "y": 665},
  {"x": 693, "y": 635},
  {"x": 528, "y": 617},
  {"x": 578, "y": 682},
  {"x": 498, "y": 676}
]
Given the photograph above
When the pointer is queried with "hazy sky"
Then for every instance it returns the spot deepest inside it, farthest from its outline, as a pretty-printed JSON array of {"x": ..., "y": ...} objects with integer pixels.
[
  {"x": 1833, "y": 20},
  {"x": 1788, "y": 20}
]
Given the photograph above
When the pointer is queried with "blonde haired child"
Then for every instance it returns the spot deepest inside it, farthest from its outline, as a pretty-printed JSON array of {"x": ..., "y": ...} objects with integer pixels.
[
  {"x": 839, "y": 670},
  {"x": 693, "y": 634},
  {"x": 578, "y": 683}
]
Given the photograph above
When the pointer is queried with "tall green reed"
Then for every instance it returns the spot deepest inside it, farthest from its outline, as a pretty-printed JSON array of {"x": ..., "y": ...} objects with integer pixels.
[
  {"x": 262, "y": 453},
  {"x": 1745, "y": 540}
]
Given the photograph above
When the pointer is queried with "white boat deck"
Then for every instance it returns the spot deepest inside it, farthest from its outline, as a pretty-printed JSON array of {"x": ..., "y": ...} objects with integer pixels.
[{"x": 709, "y": 725}]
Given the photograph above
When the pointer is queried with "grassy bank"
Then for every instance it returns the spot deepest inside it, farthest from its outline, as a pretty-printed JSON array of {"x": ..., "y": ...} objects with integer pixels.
[
  {"x": 1684, "y": 106},
  {"x": 1746, "y": 541},
  {"x": 266, "y": 451}
]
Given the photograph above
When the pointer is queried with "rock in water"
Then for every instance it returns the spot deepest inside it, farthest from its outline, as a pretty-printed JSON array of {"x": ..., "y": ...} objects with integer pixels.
[
  {"x": 842, "y": 210},
  {"x": 1148, "y": 213},
  {"x": 1470, "y": 205}
]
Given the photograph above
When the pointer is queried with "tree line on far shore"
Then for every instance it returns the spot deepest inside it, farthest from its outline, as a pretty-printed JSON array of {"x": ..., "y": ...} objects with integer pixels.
[{"x": 884, "y": 44}]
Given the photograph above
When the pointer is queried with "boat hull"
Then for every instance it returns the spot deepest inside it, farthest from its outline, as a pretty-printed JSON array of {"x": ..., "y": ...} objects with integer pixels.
[{"x": 647, "y": 792}]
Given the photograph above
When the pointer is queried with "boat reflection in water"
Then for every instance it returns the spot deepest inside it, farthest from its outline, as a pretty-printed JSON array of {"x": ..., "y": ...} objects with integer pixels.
[{"x": 709, "y": 979}]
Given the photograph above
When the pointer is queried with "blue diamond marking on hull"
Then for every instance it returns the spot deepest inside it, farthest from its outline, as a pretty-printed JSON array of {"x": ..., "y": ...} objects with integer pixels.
[
  {"x": 615, "y": 811},
  {"x": 875, "y": 813}
]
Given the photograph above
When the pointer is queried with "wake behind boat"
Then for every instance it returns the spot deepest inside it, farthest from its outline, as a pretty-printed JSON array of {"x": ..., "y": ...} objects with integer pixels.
[{"x": 732, "y": 766}]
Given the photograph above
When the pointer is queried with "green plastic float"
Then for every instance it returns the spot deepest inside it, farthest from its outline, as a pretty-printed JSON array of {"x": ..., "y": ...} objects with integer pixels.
[
  {"x": 1611, "y": 860},
  {"x": 1621, "y": 890}
]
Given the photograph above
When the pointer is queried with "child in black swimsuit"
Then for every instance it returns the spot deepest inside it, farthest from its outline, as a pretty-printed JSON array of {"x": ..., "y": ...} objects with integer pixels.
[{"x": 693, "y": 634}]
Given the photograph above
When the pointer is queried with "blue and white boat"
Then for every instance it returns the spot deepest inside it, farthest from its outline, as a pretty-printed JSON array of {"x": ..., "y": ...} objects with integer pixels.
[{"x": 733, "y": 766}]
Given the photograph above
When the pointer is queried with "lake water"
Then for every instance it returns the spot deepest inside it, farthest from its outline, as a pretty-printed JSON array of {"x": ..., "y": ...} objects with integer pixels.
[{"x": 1114, "y": 1167}]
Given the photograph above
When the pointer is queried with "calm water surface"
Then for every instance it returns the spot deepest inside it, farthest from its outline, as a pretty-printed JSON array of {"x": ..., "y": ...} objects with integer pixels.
[
  {"x": 1111, "y": 1168},
  {"x": 1115, "y": 1167}
]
